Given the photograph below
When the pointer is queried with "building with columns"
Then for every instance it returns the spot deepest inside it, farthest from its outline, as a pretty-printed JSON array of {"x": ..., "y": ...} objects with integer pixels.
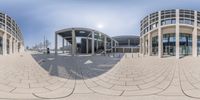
[
  {"x": 11, "y": 38},
  {"x": 127, "y": 43},
  {"x": 85, "y": 41},
  {"x": 174, "y": 32}
]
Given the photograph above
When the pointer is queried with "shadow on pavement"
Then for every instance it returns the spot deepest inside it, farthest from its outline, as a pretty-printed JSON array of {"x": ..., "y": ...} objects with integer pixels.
[{"x": 76, "y": 67}]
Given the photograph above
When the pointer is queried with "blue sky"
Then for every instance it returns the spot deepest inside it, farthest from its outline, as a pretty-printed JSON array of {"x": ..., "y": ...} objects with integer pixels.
[{"x": 37, "y": 18}]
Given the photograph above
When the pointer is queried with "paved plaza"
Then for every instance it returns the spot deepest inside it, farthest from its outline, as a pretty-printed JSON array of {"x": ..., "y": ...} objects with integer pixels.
[{"x": 129, "y": 77}]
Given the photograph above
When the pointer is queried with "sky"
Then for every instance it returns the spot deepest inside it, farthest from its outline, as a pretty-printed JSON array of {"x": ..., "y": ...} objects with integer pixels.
[{"x": 39, "y": 18}]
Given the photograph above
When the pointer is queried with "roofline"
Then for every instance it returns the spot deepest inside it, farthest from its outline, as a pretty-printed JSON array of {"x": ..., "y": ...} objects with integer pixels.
[{"x": 82, "y": 28}]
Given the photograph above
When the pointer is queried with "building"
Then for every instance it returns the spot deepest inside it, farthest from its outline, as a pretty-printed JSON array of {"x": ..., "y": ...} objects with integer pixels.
[
  {"x": 11, "y": 38},
  {"x": 127, "y": 43},
  {"x": 174, "y": 32},
  {"x": 85, "y": 41}
]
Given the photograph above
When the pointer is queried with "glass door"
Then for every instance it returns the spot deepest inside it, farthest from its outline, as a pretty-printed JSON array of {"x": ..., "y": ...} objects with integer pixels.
[
  {"x": 185, "y": 44},
  {"x": 169, "y": 42}
]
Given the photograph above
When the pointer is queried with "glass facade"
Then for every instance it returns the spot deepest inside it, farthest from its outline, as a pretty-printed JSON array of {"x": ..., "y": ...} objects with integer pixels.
[
  {"x": 155, "y": 45},
  {"x": 1, "y": 45},
  {"x": 198, "y": 45},
  {"x": 165, "y": 21},
  {"x": 169, "y": 44},
  {"x": 185, "y": 44}
]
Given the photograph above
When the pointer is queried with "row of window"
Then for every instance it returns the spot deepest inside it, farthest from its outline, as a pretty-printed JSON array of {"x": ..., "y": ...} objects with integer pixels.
[
  {"x": 186, "y": 17},
  {"x": 170, "y": 21}
]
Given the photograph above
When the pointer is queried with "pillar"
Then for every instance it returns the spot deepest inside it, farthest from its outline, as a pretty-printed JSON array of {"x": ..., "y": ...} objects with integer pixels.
[
  {"x": 56, "y": 43},
  {"x": 105, "y": 44},
  {"x": 73, "y": 42},
  {"x": 160, "y": 37},
  {"x": 97, "y": 42},
  {"x": 67, "y": 46},
  {"x": 115, "y": 47},
  {"x": 149, "y": 44},
  {"x": 93, "y": 42},
  {"x": 63, "y": 42},
  {"x": 87, "y": 45},
  {"x": 4, "y": 43},
  {"x": 140, "y": 45},
  {"x": 194, "y": 36},
  {"x": 177, "y": 34},
  {"x": 10, "y": 45},
  {"x": 143, "y": 43},
  {"x": 16, "y": 46},
  {"x": 13, "y": 45},
  {"x": 111, "y": 46}
]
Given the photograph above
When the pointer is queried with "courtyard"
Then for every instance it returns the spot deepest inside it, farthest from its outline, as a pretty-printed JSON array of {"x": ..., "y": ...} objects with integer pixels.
[{"x": 130, "y": 76}]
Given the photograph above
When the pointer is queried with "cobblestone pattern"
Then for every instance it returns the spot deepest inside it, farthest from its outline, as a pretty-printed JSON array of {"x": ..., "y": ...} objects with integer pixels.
[{"x": 22, "y": 77}]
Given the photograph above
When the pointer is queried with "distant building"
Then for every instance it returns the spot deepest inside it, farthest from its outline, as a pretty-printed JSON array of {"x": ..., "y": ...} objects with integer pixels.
[
  {"x": 85, "y": 41},
  {"x": 11, "y": 38},
  {"x": 127, "y": 43}
]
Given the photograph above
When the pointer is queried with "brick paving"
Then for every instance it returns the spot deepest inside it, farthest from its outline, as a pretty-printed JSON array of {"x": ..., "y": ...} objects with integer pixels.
[{"x": 106, "y": 78}]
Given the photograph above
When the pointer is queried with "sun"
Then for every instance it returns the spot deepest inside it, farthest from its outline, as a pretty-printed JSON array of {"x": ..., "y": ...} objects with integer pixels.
[{"x": 100, "y": 26}]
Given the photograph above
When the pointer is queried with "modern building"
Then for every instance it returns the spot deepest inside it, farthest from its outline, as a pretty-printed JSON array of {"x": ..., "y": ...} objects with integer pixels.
[
  {"x": 85, "y": 41},
  {"x": 11, "y": 38},
  {"x": 174, "y": 32},
  {"x": 127, "y": 43}
]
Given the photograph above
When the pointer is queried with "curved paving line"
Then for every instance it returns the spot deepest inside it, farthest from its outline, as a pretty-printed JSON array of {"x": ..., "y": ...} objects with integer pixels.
[
  {"x": 156, "y": 93},
  {"x": 40, "y": 97},
  {"x": 137, "y": 95},
  {"x": 182, "y": 90},
  {"x": 61, "y": 96}
]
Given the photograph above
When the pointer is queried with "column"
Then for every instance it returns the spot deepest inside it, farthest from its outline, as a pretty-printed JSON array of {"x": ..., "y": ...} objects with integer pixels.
[
  {"x": 67, "y": 46},
  {"x": 111, "y": 46},
  {"x": 143, "y": 43},
  {"x": 160, "y": 38},
  {"x": 10, "y": 45},
  {"x": 105, "y": 44},
  {"x": 5, "y": 37},
  {"x": 177, "y": 34},
  {"x": 73, "y": 42},
  {"x": 93, "y": 42},
  {"x": 87, "y": 45},
  {"x": 97, "y": 42},
  {"x": 4, "y": 43},
  {"x": 115, "y": 47},
  {"x": 194, "y": 36},
  {"x": 140, "y": 45},
  {"x": 149, "y": 44},
  {"x": 56, "y": 43},
  {"x": 63, "y": 46}
]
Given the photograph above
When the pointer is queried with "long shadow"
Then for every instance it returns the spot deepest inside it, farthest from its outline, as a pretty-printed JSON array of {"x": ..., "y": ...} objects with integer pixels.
[{"x": 76, "y": 67}]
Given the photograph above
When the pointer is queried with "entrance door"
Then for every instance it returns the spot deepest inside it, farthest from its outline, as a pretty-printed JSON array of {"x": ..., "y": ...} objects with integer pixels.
[
  {"x": 185, "y": 44},
  {"x": 169, "y": 44}
]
